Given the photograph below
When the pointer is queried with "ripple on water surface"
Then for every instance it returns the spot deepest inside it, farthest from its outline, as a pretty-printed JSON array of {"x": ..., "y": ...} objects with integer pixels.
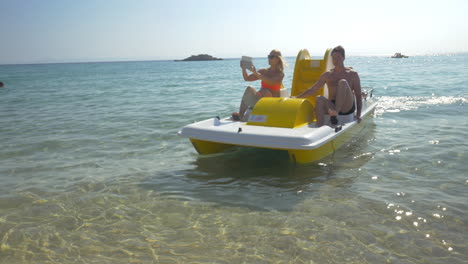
[{"x": 93, "y": 171}]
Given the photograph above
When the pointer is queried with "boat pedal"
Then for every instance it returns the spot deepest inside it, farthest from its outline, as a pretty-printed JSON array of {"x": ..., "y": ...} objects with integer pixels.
[{"x": 338, "y": 129}]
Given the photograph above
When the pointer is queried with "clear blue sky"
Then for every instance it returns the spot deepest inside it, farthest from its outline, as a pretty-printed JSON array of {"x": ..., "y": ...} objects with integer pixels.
[{"x": 96, "y": 30}]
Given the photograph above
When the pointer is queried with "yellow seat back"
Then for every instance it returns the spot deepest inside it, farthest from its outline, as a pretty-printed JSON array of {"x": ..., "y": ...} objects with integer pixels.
[
  {"x": 281, "y": 112},
  {"x": 307, "y": 71}
]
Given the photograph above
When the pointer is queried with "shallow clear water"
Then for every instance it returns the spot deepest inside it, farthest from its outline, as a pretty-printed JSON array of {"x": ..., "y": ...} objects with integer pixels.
[{"x": 93, "y": 171}]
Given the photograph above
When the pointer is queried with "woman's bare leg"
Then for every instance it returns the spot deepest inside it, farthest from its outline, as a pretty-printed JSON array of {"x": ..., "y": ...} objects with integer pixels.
[
  {"x": 249, "y": 98},
  {"x": 265, "y": 92}
]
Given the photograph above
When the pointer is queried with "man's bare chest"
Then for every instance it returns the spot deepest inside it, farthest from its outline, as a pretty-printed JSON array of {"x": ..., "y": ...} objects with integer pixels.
[{"x": 334, "y": 78}]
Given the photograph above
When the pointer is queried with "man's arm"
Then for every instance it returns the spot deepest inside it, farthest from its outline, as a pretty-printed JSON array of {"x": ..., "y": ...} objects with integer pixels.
[
  {"x": 314, "y": 88},
  {"x": 358, "y": 94}
]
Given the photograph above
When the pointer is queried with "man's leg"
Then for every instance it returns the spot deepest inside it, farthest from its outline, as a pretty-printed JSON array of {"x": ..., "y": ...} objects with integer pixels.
[
  {"x": 322, "y": 106},
  {"x": 344, "y": 97}
]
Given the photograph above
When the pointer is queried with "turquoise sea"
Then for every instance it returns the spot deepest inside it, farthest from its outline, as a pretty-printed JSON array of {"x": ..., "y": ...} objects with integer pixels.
[{"x": 92, "y": 169}]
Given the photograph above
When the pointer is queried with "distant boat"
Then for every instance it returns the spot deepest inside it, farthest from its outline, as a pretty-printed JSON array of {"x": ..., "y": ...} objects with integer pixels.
[{"x": 398, "y": 55}]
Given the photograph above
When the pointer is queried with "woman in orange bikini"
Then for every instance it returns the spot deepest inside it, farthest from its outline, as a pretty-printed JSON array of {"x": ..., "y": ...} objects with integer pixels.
[{"x": 271, "y": 78}]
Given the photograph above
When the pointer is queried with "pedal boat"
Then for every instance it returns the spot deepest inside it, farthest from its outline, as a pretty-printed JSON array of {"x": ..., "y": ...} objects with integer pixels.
[{"x": 284, "y": 123}]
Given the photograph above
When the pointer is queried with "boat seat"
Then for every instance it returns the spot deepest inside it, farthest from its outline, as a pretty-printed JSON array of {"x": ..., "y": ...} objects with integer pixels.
[{"x": 281, "y": 112}]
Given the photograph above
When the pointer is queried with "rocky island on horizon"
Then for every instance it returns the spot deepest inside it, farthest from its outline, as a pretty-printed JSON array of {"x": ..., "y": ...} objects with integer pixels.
[{"x": 200, "y": 57}]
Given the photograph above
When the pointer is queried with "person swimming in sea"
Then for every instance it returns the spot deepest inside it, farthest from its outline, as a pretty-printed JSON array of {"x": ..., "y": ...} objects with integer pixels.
[{"x": 271, "y": 83}]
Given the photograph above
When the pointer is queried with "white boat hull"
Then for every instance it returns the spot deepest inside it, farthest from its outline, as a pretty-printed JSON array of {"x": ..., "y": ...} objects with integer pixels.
[{"x": 305, "y": 144}]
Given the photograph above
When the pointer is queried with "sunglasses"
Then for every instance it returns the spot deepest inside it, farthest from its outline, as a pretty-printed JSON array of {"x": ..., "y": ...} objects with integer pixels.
[{"x": 271, "y": 56}]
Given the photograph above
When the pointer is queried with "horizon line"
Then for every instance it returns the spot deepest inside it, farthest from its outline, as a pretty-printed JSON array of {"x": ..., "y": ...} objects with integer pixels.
[{"x": 110, "y": 60}]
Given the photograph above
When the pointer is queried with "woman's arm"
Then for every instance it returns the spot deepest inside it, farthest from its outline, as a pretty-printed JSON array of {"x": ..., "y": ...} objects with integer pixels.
[
  {"x": 249, "y": 77},
  {"x": 272, "y": 80}
]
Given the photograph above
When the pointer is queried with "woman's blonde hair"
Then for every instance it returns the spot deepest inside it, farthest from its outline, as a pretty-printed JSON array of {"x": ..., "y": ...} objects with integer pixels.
[{"x": 282, "y": 63}]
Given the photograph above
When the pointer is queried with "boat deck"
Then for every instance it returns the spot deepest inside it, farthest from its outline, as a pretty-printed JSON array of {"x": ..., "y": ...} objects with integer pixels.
[{"x": 227, "y": 131}]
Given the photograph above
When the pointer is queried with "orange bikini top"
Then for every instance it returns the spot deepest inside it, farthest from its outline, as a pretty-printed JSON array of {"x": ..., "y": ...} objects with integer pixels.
[{"x": 275, "y": 87}]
